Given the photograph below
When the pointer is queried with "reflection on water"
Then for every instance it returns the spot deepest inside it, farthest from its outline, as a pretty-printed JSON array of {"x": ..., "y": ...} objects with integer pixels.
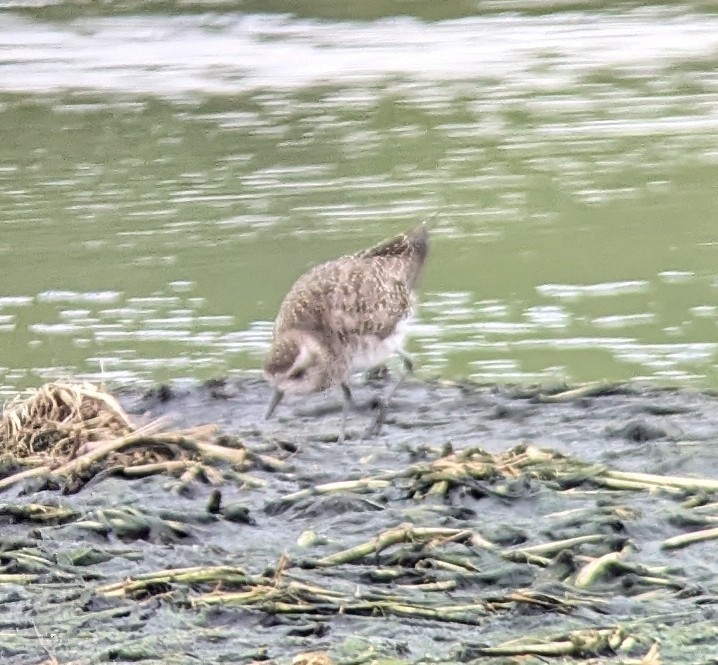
[
  {"x": 226, "y": 54},
  {"x": 157, "y": 198}
]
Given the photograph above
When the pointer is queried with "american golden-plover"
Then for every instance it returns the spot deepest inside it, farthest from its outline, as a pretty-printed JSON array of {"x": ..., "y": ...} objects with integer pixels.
[{"x": 343, "y": 315}]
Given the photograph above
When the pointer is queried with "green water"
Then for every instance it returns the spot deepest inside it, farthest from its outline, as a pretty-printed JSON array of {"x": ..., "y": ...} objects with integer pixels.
[{"x": 166, "y": 173}]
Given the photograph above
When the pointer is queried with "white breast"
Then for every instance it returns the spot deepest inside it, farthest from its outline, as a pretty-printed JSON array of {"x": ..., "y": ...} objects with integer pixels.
[{"x": 370, "y": 350}]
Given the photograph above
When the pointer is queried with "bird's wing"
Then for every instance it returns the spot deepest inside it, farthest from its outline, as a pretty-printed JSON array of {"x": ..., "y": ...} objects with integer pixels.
[
  {"x": 369, "y": 299},
  {"x": 349, "y": 296}
]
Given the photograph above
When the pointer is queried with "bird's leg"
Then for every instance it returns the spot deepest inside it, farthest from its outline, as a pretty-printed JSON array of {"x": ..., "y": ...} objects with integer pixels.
[
  {"x": 347, "y": 394},
  {"x": 383, "y": 402},
  {"x": 348, "y": 402},
  {"x": 407, "y": 362}
]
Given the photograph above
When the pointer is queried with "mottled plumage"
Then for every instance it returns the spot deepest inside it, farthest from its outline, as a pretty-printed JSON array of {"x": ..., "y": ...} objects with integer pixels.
[{"x": 345, "y": 314}]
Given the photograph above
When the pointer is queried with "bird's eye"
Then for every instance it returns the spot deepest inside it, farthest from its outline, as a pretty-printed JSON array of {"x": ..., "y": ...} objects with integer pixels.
[{"x": 298, "y": 374}]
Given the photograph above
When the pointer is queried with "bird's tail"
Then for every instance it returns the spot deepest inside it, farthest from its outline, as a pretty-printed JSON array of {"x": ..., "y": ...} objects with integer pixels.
[{"x": 413, "y": 246}]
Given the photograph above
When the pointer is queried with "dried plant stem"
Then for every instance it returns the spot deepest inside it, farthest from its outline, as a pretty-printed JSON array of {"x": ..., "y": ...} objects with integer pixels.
[
  {"x": 574, "y": 643},
  {"x": 98, "y": 451},
  {"x": 170, "y": 466},
  {"x": 553, "y": 547},
  {"x": 653, "y": 480},
  {"x": 215, "y": 452},
  {"x": 24, "y": 475},
  {"x": 363, "y": 485},
  {"x": 689, "y": 538},
  {"x": 588, "y": 390},
  {"x": 588, "y": 575},
  {"x": 402, "y": 534},
  {"x": 195, "y": 574}
]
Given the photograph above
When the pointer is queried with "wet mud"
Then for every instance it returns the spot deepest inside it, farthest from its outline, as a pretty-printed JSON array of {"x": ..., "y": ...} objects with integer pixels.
[{"x": 485, "y": 524}]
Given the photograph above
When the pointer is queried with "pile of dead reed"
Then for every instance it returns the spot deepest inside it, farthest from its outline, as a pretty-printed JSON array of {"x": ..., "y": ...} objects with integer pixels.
[
  {"x": 56, "y": 420},
  {"x": 67, "y": 433}
]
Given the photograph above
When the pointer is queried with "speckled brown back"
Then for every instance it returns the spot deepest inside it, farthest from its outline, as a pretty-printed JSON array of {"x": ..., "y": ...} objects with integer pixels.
[{"x": 366, "y": 293}]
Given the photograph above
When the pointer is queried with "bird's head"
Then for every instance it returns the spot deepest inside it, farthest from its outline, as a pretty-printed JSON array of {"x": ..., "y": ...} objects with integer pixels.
[{"x": 296, "y": 364}]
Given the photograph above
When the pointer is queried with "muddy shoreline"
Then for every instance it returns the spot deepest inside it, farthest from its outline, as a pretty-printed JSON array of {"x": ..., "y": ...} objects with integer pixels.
[{"x": 473, "y": 537}]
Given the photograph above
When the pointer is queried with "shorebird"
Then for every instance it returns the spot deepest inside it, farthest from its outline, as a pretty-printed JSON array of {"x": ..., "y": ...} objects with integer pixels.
[{"x": 344, "y": 315}]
